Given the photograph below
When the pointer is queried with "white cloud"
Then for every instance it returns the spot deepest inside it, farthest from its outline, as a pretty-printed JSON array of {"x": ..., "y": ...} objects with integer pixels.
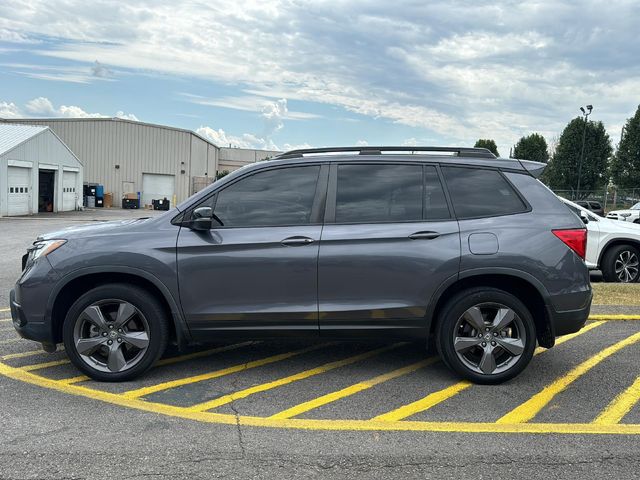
[
  {"x": 460, "y": 70},
  {"x": 246, "y": 140},
  {"x": 9, "y": 110},
  {"x": 43, "y": 107},
  {"x": 99, "y": 70}
]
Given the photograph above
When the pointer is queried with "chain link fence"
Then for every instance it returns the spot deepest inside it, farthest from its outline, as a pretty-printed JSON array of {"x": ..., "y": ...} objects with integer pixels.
[{"x": 610, "y": 199}]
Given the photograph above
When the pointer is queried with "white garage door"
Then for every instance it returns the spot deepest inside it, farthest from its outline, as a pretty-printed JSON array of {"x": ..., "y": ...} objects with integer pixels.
[
  {"x": 19, "y": 190},
  {"x": 69, "y": 194},
  {"x": 156, "y": 187}
]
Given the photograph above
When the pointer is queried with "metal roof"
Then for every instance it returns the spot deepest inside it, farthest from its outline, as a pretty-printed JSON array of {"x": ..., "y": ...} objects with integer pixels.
[{"x": 12, "y": 135}]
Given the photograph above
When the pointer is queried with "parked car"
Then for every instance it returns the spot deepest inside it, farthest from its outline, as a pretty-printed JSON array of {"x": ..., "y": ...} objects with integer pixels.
[
  {"x": 612, "y": 247},
  {"x": 592, "y": 206},
  {"x": 449, "y": 242},
  {"x": 631, "y": 215}
]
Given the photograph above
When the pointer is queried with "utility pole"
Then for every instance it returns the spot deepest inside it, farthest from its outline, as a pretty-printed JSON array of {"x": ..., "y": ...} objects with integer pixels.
[{"x": 584, "y": 132}]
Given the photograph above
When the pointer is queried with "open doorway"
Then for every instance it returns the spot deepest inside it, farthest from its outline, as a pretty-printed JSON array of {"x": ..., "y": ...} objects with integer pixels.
[{"x": 46, "y": 190}]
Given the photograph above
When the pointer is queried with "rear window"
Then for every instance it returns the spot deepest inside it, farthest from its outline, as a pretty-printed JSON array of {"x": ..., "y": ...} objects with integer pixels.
[
  {"x": 481, "y": 193},
  {"x": 595, "y": 205}
]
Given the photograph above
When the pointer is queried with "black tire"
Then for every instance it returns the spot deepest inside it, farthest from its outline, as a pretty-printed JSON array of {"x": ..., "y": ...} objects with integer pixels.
[
  {"x": 608, "y": 264},
  {"x": 148, "y": 312},
  {"x": 448, "y": 324},
  {"x": 637, "y": 220}
]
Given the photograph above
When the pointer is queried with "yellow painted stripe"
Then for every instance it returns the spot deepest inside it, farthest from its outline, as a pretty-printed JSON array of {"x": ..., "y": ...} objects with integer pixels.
[
  {"x": 440, "y": 396},
  {"x": 424, "y": 403},
  {"x": 78, "y": 379},
  {"x": 40, "y": 366},
  {"x": 10, "y": 341},
  {"x": 351, "y": 390},
  {"x": 141, "y": 392},
  {"x": 30, "y": 353},
  {"x": 620, "y": 406},
  {"x": 5, "y": 320},
  {"x": 5, "y": 309},
  {"x": 604, "y": 316},
  {"x": 223, "y": 400},
  {"x": 309, "y": 424},
  {"x": 529, "y": 409},
  {"x": 173, "y": 360},
  {"x": 202, "y": 354}
]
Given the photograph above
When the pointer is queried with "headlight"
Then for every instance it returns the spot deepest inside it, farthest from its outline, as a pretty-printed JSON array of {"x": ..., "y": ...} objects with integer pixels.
[
  {"x": 44, "y": 248},
  {"x": 625, "y": 215}
]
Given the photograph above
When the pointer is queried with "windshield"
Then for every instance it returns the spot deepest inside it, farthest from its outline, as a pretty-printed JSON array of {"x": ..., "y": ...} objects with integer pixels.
[{"x": 636, "y": 206}]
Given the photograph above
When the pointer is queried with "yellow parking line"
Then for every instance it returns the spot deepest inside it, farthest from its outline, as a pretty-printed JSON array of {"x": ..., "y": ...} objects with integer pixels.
[
  {"x": 204, "y": 353},
  {"x": 620, "y": 406},
  {"x": 604, "y": 316},
  {"x": 13, "y": 340},
  {"x": 40, "y": 366},
  {"x": 223, "y": 400},
  {"x": 71, "y": 380},
  {"x": 440, "y": 396},
  {"x": 141, "y": 392},
  {"x": 5, "y": 320},
  {"x": 173, "y": 360},
  {"x": 352, "y": 390},
  {"x": 30, "y": 353},
  {"x": 423, "y": 404},
  {"x": 529, "y": 409},
  {"x": 312, "y": 424},
  {"x": 4, "y": 309}
]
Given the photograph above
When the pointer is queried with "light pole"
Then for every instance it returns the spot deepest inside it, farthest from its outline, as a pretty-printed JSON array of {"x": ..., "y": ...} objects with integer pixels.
[{"x": 584, "y": 132}]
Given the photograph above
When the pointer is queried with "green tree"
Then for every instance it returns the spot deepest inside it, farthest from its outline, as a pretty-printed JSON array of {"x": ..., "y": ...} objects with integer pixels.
[
  {"x": 532, "y": 147},
  {"x": 625, "y": 165},
  {"x": 562, "y": 172},
  {"x": 221, "y": 174},
  {"x": 489, "y": 144}
]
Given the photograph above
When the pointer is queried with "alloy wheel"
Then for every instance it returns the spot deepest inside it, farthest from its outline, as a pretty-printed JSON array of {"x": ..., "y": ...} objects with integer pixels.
[
  {"x": 626, "y": 266},
  {"x": 111, "y": 335},
  {"x": 489, "y": 338}
]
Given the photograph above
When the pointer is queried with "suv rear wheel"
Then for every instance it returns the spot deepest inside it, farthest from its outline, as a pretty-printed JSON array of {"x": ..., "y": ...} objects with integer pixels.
[
  {"x": 115, "y": 332},
  {"x": 621, "y": 264},
  {"x": 486, "y": 335}
]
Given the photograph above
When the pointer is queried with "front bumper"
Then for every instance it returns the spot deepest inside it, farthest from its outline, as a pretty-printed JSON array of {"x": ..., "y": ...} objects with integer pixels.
[{"x": 28, "y": 302}]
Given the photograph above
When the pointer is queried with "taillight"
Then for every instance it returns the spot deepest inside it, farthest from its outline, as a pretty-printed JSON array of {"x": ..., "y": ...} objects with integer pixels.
[{"x": 575, "y": 239}]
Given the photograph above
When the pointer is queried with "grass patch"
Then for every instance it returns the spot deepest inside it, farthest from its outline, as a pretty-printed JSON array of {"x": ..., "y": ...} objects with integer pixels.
[{"x": 616, "y": 293}]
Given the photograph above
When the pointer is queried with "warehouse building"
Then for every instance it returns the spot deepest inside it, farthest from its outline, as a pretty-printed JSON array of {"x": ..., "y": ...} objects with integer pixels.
[
  {"x": 38, "y": 172},
  {"x": 155, "y": 160}
]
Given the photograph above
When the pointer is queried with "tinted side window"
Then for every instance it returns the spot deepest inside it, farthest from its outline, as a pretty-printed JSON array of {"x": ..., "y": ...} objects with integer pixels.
[
  {"x": 481, "y": 193},
  {"x": 282, "y": 196},
  {"x": 379, "y": 193},
  {"x": 435, "y": 203}
]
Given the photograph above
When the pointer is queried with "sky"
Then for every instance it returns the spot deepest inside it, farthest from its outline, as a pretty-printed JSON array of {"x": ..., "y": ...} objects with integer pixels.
[{"x": 292, "y": 74}]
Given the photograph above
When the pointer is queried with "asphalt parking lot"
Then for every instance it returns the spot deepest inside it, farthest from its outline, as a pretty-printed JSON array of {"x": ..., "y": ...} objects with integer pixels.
[{"x": 300, "y": 409}]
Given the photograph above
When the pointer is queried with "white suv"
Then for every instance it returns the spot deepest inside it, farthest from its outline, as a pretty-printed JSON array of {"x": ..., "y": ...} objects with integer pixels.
[
  {"x": 631, "y": 215},
  {"x": 612, "y": 247}
]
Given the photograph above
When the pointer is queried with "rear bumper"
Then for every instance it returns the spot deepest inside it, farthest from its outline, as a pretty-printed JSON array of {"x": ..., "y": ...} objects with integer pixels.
[{"x": 570, "y": 321}]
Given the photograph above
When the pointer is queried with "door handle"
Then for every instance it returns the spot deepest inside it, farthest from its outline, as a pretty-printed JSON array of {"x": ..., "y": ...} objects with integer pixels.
[
  {"x": 424, "y": 235},
  {"x": 297, "y": 241}
]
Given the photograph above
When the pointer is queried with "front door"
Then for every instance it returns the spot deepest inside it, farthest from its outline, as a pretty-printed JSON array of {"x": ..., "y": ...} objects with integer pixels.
[
  {"x": 257, "y": 268},
  {"x": 388, "y": 243}
]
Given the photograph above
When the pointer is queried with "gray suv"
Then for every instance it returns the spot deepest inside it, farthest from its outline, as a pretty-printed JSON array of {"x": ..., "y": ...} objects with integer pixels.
[{"x": 452, "y": 244}]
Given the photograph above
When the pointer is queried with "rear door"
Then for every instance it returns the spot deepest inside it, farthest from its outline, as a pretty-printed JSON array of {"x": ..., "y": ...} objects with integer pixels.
[{"x": 388, "y": 243}]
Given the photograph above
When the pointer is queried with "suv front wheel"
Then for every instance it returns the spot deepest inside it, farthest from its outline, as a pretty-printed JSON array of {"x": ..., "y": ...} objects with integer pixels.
[
  {"x": 486, "y": 335},
  {"x": 115, "y": 332}
]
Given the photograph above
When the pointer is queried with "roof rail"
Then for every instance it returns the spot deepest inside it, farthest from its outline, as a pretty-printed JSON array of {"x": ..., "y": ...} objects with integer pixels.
[{"x": 367, "y": 150}]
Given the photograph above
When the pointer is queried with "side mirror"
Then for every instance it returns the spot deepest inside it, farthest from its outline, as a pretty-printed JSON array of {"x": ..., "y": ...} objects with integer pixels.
[
  {"x": 584, "y": 217},
  {"x": 201, "y": 219}
]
